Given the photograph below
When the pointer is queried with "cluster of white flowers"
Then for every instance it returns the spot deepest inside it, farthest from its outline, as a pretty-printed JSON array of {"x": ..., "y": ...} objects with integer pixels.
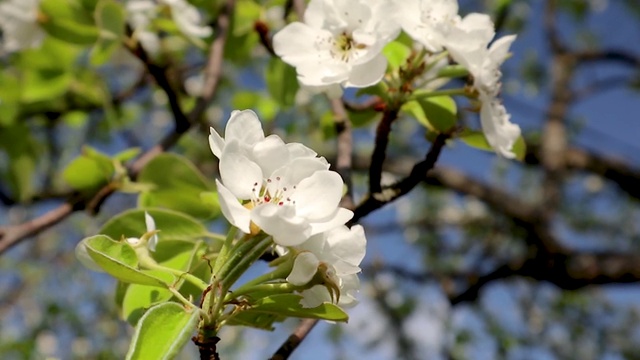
[
  {"x": 142, "y": 12},
  {"x": 341, "y": 42},
  {"x": 288, "y": 192},
  {"x": 19, "y": 24}
]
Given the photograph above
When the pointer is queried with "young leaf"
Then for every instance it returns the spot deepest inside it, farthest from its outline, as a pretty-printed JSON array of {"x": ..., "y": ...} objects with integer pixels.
[
  {"x": 89, "y": 171},
  {"x": 282, "y": 82},
  {"x": 476, "y": 139},
  {"x": 289, "y": 305},
  {"x": 177, "y": 184},
  {"x": 396, "y": 53},
  {"x": 162, "y": 332},
  {"x": 173, "y": 225},
  {"x": 119, "y": 260}
]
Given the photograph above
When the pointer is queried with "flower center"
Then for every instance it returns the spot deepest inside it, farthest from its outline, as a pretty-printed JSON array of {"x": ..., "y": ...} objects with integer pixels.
[
  {"x": 345, "y": 47},
  {"x": 272, "y": 191}
]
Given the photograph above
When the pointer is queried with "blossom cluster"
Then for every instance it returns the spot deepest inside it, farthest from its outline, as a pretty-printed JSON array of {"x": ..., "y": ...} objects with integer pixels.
[
  {"x": 286, "y": 191},
  {"x": 341, "y": 42}
]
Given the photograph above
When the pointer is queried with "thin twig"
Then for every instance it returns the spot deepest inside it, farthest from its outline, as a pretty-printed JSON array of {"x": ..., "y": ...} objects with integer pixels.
[
  {"x": 299, "y": 334},
  {"x": 380, "y": 150},
  {"x": 391, "y": 193}
]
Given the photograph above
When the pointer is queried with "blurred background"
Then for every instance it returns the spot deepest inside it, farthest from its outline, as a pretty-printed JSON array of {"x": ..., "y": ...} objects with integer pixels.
[{"x": 486, "y": 259}]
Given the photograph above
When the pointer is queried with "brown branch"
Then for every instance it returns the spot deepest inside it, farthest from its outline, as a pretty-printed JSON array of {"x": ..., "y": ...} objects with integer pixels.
[
  {"x": 391, "y": 193},
  {"x": 616, "y": 170},
  {"x": 298, "y": 335},
  {"x": 14, "y": 234},
  {"x": 615, "y": 55},
  {"x": 380, "y": 149}
]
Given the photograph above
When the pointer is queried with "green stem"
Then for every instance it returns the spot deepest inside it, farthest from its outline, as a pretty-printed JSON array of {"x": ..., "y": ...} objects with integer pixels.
[
  {"x": 272, "y": 289},
  {"x": 237, "y": 265},
  {"x": 447, "y": 92},
  {"x": 224, "y": 251},
  {"x": 184, "y": 300},
  {"x": 281, "y": 272}
]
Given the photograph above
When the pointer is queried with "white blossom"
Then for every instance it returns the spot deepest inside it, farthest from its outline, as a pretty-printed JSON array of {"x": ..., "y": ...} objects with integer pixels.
[
  {"x": 500, "y": 133},
  {"x": 429, "y": 22},
  {"x": 336, "y": 255},
  {"x": 340, "y": 42},
  {"x": 19, "y": 24},
  {"x": 284, "y": 189},
  {"x": 142, "y": 13}
]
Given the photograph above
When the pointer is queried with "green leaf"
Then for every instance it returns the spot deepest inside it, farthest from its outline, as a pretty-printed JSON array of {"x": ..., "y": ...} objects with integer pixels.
[
  {"x": 258, "y": 320},
  {"x": 436, "y": 113},
  {"x": 289, "y": 305},
  {"x": 162, "y": 332},
  {"x": 282, "y": 82},
  {"x": 396, "y": 54},
  {"x": 176, "y": 184},
  {"x": 110, "y": 18},
  {"x": 440, "y": 111},
  {"x": 89, "y": 171},
  {"x": 245, "y": 16},
  {"x": 44, "y": 84},
  {"x": 173, "y": 225},
  {"x": 68, "y": 21},
  {"x": 477, "y": 140},
  {"x": 266, "y": 107},
  {"x": 138, "y": 298},
  {"x": 119, "y": 260},
  {"x": 126, "y": 155},
  {"x": 21, "y": 149}
]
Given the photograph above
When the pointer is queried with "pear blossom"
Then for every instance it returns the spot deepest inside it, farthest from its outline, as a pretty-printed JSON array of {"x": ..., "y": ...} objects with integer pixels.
[
  {"x": 141, "y": 14},
  {"x": 429, "y": 22},
  {"x": 500, "y": 133},
  {"x": 340, "y": 42},
  {"x": 19, "y": 24},
  {"x": 284, "y": 189},
  {"x": 336, "y": 255}
]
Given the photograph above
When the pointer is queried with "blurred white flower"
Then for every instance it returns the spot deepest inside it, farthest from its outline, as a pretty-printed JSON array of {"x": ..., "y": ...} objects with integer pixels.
[
  {"x": 340, "y": 42},
  {"x": 19, "y": 24},
  {"x": 428, "y": 22},
  {"x": 501, "y": 134},
  {"x": 141, "y": 14}
]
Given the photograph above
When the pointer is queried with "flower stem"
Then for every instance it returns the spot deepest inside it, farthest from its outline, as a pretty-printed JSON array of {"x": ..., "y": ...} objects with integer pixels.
[{"x": 424, "y": 95}]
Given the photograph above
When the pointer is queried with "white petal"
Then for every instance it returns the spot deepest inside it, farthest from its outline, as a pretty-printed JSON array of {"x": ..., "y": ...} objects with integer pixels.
[
  {"x": 315, "y": 296},
  {"x": 270, "y": 154},
  {"x": 151, "y": 226},
  {"x": 500, "y": 48},
  {"x": 318, "y": 195},
  {"x": 339, "y": 217},
  {"x": 281, "y": 223},
  {"x": 236, "y": 214},
  {"x": 305, "y": 267},
  {"x": 245, "y": 127},
  {"x": 367, "y": 74},
  {"x": 501, "y": 134},
  {"x": 348, "y": 245},
  {"x": 216, "y": 143},
  {"x": 299, "y": 44},
  {"x": 242, "y": 176}
]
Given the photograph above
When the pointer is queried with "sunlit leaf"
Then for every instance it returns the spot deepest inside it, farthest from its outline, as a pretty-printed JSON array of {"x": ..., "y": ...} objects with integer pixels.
[{"x": 162, "y": 332}]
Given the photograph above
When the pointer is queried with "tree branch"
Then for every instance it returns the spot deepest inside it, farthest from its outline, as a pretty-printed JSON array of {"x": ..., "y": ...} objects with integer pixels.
[{"x": 299, "y": 334}]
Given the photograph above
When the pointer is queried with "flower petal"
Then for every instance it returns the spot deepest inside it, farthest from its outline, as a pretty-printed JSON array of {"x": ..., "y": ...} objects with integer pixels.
[
  {"x": 304, "y": 267},
  {"x": 369, "y": 73},
  {"x": 339, "y": 217},
  {"x": 236, "y": 214},
  {"x": 240, "y": 175},
  {"x": 315, "y": 296},
  {"x": 216, "y": 143},
  {"x": 318, "y": 195},
  {"x": 151, "y": 226},
  {"x": 281, "y": 223},
  {"x": 245, "y": 127}
]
